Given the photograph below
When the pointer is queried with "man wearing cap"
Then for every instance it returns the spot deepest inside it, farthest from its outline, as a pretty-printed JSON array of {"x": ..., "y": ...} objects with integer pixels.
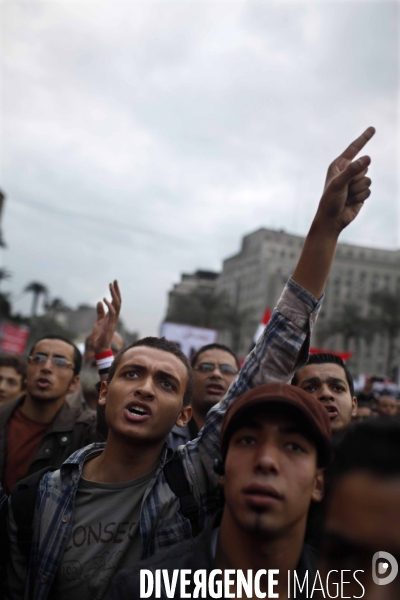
[{"x": 275, "y": 442}]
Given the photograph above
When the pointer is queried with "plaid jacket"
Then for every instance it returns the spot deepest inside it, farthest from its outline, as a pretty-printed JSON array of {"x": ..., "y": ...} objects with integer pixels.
[{"x": 282, "y": 349}]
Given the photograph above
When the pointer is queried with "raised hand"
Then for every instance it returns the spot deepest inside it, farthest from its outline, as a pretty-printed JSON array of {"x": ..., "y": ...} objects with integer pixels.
[
  {"x": 106, "y": 323},
  {"x": 346, "y": 186},
  {"x": 346, "y": 189}
]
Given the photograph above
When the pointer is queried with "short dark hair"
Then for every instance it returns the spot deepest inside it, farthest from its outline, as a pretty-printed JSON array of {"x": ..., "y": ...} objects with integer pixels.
[
  {"x": 16, "y": 362},
  {"x": 215, "y": 346},
  {"x": 323, "y": 358},
  {"x": 77, "y": 354},
  {"x": 166, "y": 346},
  {"x": 372, "y": 446},
  {"x": 363, "y": 404}
]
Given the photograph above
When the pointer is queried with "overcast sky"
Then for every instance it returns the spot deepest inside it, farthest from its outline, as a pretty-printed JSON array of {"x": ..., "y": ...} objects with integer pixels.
[{"x": 141, "y": 140}]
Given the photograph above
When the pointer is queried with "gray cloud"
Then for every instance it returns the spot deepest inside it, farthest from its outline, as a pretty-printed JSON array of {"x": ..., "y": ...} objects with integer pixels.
[{"x": 181, "y": 127}]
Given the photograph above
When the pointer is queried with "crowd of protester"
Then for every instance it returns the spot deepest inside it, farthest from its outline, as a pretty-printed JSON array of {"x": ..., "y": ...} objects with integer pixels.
[{"x": 133, "y": 460}]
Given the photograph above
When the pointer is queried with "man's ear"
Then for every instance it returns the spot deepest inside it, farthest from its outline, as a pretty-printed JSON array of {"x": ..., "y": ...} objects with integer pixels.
[
  {"x": 318, "y": 492},
  {"x": 103, "y": 393},
  {"x": 73, "y": 384},
  {"x": 184, "y": 416},
  {"x": 355, "y": 406}
]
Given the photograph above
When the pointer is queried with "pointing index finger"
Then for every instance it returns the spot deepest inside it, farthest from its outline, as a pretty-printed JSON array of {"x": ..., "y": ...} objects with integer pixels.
[{"x": 358, "y": 144}]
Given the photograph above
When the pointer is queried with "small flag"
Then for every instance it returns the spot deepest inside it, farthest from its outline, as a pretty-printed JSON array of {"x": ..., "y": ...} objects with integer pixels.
[{"x": 262, "y": 324}]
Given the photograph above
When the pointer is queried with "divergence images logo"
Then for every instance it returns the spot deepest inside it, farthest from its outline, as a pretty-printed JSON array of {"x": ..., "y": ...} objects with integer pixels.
[{"x": 383, "y": 568}]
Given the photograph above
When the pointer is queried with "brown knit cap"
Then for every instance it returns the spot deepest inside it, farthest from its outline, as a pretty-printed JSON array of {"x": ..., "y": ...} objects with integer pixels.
[{"x": 287, "y": 400}]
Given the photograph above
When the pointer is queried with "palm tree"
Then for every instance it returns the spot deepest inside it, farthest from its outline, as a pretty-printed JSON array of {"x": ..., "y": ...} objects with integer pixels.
[
  {"x": 350, "y": 324},
  {"x": 37, "y": 289},
  {"x": 201, "y": 308},
  {"x": 4, "y": 274},
  {"x": 5, "y": 307},
  {"x": 385, "y": 318},
  {"x": 57, "y": 305},
  {"x": 211, "y": 309}
]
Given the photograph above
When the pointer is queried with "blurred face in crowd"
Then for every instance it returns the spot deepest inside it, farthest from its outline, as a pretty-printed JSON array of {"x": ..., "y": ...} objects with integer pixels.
[
  {"x": 144, "y": 399},
  {"x": 117, "y": 344},
  {"x": 213, "y": 373},
  {"x": 271, "y": 476},
  {"x": 363, "y": 517},
  {"x": 45, "y": 380},
  {"x": 363, "y": 413},
  {"x": 328, "y": 383},
  {"x": 387, "y": 406},
  {"x": 11, "y": 384}
]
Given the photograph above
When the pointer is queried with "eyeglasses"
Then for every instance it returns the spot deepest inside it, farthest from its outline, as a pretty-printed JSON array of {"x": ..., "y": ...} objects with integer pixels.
[
  {"x": 57, "y": 361},
  {"x": 210, "y": 367}
]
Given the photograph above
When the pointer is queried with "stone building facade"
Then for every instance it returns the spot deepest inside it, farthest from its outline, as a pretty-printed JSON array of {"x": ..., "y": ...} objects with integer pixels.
[
  {"x": 254, "y": 279},
  {"x": 200, "y": 280}
]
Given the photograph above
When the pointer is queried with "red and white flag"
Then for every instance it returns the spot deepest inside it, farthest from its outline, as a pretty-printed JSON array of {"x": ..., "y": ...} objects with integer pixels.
[{"x": 262, "y": 324}]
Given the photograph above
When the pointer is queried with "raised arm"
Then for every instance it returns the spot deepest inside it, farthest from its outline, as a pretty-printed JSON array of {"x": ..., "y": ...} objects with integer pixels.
[
  {"x": 283, "y": 347},
  {"x": 346, "y": 189}
]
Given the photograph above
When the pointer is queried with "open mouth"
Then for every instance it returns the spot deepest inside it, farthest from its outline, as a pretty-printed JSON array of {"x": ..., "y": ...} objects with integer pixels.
[
  {"x": 137, "y": 412},
  {"x": 43, "y": 383},
  {"x": 332, "y": 411},
  {"x": 215, "y": 388}
]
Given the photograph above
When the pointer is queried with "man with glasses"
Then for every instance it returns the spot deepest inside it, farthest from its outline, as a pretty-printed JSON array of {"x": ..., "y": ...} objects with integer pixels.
[
  {"x": 40, "y": 429},
  {"x": 215, "y": 366}
]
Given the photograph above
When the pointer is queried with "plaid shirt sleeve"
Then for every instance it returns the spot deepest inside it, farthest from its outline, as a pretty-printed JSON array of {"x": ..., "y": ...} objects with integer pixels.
[{"x": 281, "y": 350}]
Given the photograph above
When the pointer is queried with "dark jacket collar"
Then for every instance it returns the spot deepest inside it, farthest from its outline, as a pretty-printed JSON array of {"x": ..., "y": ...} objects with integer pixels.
[
  {"x": 8, "y": 408},
  {"x": 64, "y": 420}
]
